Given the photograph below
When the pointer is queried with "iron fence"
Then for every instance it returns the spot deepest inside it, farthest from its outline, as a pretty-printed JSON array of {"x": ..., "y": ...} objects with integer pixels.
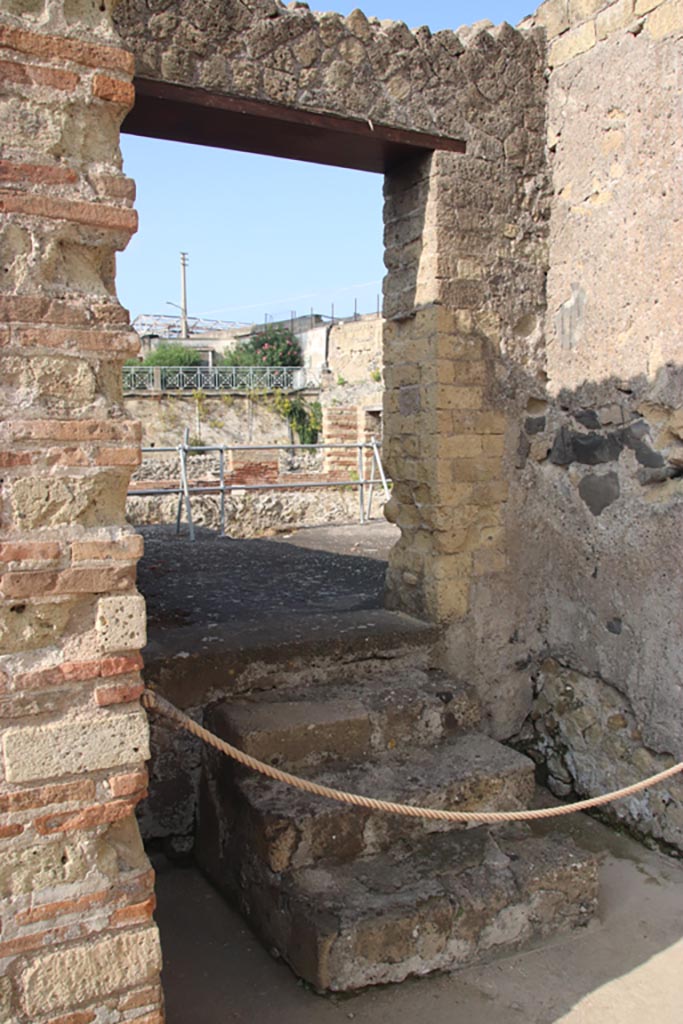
[
  {"x": 137, "y": 379},
  {"x": 365, "y": 483}
]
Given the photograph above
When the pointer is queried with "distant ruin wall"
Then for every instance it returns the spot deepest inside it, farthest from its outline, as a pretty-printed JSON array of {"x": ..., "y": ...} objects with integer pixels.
[{"x": 210, "y": 419}]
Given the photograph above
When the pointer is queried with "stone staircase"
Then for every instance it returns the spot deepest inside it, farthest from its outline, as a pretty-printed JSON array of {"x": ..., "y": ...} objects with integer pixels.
[{"x": 350, "y": 898}]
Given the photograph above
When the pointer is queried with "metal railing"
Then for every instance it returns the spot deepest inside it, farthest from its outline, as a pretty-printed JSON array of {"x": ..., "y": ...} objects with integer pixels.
[
  {"x": 138, "y": 379},
  {"x": 184, "y": 490}
]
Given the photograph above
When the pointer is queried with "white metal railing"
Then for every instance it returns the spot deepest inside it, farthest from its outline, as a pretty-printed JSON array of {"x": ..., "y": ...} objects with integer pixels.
[
  {"x": 184, "y": 490},
  {"x": 141, "y": 378}
]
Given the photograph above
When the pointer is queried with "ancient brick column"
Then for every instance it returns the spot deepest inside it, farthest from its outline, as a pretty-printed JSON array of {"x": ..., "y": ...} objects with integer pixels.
[{"x": 77, "y": 941}]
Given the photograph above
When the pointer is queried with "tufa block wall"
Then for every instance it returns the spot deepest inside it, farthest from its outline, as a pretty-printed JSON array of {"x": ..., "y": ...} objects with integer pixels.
[{"x": 76, "y": 887}]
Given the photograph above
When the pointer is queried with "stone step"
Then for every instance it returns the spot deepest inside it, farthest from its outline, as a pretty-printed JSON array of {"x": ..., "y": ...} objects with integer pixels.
[
  {"x": 289, "y": 829},
  {"x": 351, "y": 720},
  {"x": 443, "y": 902}
]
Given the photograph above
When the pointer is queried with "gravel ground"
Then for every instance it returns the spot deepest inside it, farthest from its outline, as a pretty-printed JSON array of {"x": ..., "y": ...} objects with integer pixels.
[{"x": 215, "y": 579}]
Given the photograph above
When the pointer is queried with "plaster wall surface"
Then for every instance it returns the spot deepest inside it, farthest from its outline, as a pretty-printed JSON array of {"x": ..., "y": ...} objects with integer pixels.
[{"x": 598, "y": 502}]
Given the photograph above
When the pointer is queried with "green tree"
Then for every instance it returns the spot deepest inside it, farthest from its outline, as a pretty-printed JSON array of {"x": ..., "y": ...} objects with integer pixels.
[
  {"x": 304, "y": 417},
  {"x": 172, "y": 353}
]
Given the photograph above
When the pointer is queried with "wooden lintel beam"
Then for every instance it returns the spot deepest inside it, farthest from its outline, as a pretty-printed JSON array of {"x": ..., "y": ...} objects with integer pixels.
[{"x": 185, "y": 114}]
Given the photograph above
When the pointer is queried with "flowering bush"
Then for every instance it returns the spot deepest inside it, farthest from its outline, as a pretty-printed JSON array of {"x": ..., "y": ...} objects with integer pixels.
[{"x": 276, "y": 346}]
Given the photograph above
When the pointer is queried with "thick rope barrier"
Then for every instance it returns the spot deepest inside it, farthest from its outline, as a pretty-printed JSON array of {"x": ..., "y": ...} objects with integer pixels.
[{"x": 153, "y": 702}]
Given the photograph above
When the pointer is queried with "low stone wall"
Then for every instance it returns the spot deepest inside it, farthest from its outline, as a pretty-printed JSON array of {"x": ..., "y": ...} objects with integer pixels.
[
  {"x": 258, "y": 514},
  {"x": 585, "y": 734},
  {"x": 249, "y": 513}
]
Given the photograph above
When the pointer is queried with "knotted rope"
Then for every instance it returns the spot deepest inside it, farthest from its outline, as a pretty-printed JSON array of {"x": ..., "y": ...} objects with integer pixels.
[{"x": 153, "y": 702}]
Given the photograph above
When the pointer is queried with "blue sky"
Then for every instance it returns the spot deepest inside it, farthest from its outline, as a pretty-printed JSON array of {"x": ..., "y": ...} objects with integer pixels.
[{"x": 266, "y": 236}]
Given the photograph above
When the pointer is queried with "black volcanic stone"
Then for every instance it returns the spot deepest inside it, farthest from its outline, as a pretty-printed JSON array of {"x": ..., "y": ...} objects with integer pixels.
[
  {"x": 562, "y": 453},
  {"x": 593, "y": 449},
  {"x": 534, "y": 424},
  {"x": 587, "y": 418},
  {"x": 599, "y": 492}
]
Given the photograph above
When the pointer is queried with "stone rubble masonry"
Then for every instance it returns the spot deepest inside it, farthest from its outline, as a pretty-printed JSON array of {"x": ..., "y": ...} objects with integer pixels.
[{"x": 76, "y": 890}]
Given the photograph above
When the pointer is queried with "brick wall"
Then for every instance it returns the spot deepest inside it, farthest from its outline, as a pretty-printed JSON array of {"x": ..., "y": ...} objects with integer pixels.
[{"x": 77, "y": 890}]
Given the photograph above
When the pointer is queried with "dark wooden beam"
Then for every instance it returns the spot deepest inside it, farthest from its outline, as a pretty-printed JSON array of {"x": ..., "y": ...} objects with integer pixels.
[{"x": 182, "y": 114}]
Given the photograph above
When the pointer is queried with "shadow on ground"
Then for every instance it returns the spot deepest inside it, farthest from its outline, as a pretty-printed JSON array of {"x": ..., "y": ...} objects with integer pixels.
[
  {"x": 217, "y": 580},
  {"x": 624, "y": 968}
]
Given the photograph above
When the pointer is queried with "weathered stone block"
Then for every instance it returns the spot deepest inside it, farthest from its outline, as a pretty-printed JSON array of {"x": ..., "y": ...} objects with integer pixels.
[
  {"x": 92, "y": 500},
  {"x": 665, "y": 20},
  {"x": 105, "y": 740},
  {"x": 553, "y": 17},
  {"x": 571, "y": 44},
  {"x": 122, "y": 622},
  {"x": 616, "y": 16},
  {"x": 90, "y": 972}
]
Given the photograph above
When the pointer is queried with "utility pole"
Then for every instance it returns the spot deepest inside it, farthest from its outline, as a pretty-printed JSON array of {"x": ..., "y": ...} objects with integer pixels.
[{"x": 184, "y": 333}]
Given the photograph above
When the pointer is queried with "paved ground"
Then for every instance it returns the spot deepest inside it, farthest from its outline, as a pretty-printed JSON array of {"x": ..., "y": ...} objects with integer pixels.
[
  {"x": 216, "y": 580},
  {"x": 626, "y": 968}
]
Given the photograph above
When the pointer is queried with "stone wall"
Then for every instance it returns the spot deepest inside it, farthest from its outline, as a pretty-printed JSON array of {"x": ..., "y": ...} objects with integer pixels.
[
  {"x": 215, "y": 419},
  {"x": 355, "y": 350},
  {"x": 598, "y": 498},
  {"x": 77, "y": 889}
]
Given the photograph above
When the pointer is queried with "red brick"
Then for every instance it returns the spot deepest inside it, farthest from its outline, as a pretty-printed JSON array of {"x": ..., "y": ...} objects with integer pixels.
[
  {"x": 69, "y": 672},
  {"x": 89, "y": 817},
  {"x": 30, "y": 551},
  {"x": 74, "y": 430},
  {"x": 128, "y": 783},
  {"x": 94, "y": 215},
  {"x": 120, "y": 664},
  {"x": 28, "y": 943},
  {"x": 9, "y": 460},
  {"x": 95, "y": 581},
  {"x": 34, "y": 74},
  {"x": 28, "y": 584},
  {"x": 78, "y": 671},
  {"x": 123, "y": 693},
  {"x": 127, "y": 549},
  {"x": 140, "y": 997},
  {"x": 45, "y": 796},
  {"x": 55, "y": 47},
  {"x": 80, "y": 1017},
  {"x": 114, "y": 90},
  {"x": 119, "y": 457},
  {"x": 45, "y": 911},
  {"x": 137, "y": 913},
  {"x": 9, "y": 831},
  {"x": 70, "y": 581},
  {"x": 36, "y": 174}
]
